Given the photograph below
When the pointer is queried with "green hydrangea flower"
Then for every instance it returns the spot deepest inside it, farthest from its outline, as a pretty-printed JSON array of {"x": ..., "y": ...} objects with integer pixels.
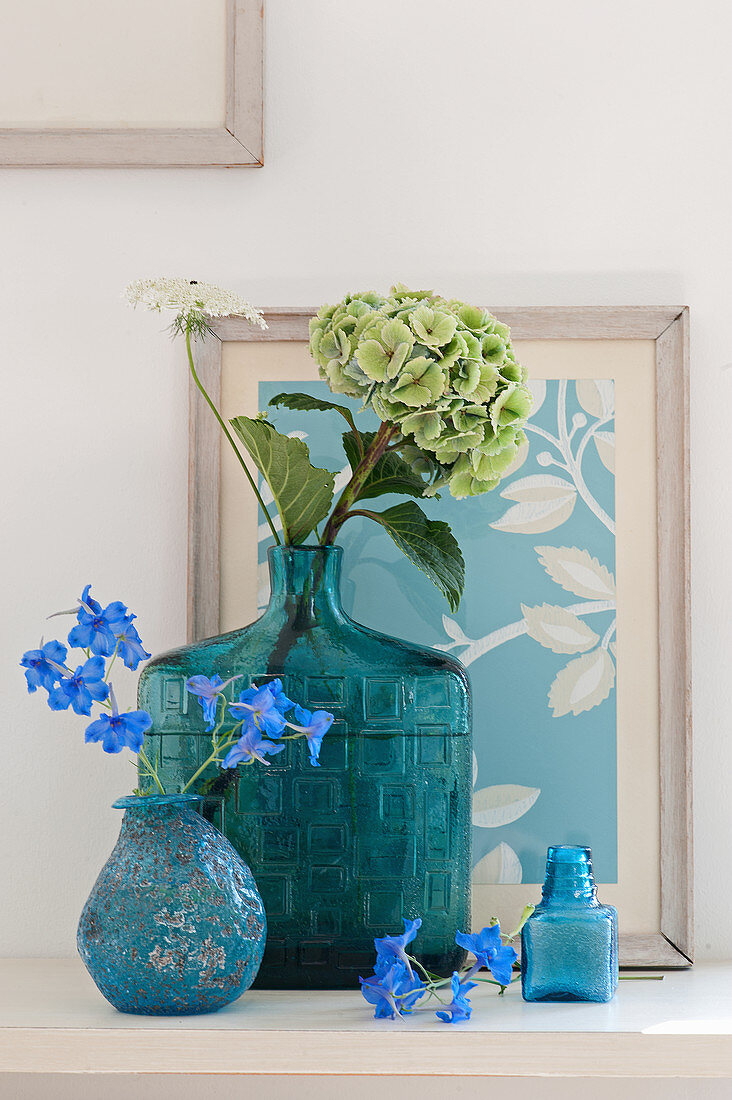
[
  {"x": 420, "y": 383},
  {"x": 442, "y": 370},
  {"x": 385, "y": 352},
  {"x": 464, "y": 483}
]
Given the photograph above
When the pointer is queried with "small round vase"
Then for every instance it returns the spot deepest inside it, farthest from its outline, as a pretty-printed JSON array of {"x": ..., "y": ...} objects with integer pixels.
[{"x": 174, "y": 924}]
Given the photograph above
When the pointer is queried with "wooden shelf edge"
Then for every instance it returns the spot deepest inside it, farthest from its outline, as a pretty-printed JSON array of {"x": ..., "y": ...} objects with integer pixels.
[{"x": 334, "y": 1053}]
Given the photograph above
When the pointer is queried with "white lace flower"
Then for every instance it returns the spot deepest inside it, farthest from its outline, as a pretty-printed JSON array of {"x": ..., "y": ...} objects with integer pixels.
[{"x": 191, "y": 299}]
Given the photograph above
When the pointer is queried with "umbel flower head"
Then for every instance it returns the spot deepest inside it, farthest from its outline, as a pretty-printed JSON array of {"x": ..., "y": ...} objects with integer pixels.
[
  {"x": 191, "y": 301},
  {"x": 441, "y": 370}
]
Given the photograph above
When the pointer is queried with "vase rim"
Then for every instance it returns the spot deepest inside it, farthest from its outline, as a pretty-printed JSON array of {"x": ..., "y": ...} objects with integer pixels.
[
  {"x": 310, "y": 547},
  {"x": 143, "y": 801}
]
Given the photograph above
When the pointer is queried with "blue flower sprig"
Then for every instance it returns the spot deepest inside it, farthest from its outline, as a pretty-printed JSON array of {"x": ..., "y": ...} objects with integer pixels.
[
  {"x": 239, "y": 731},
  {"x": 395, "y": 989},
  {"x": 102, "y": 634},
  {"x": 259, "y": 714}
]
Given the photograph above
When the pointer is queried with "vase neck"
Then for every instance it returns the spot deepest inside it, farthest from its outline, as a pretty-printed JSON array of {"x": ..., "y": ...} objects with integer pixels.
[
  {"x": 569, "y": 877},
  {"x": 305, "y": 582}
]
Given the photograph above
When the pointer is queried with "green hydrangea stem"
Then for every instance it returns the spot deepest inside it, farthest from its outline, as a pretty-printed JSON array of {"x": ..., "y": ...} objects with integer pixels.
[
  {"x": 227, "y": 433},
  {"x": 386, "y": 434}
]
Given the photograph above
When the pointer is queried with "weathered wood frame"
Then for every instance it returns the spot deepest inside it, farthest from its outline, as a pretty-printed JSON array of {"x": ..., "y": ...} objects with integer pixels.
[
  {"x": 237, "y": 143},
  {"x": 672, "y": 945}
]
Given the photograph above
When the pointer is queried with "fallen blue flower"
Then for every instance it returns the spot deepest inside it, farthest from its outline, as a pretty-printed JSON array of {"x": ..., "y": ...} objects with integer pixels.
[
  {"x": 393, "y": 992},
  {"x": 44, "y": 666},
  {"x": 490, "y": 952},
  {"x": 460, "y": 1008},
  {"x": 81, "y": 688},
  {"x": 389, "y": 947}
]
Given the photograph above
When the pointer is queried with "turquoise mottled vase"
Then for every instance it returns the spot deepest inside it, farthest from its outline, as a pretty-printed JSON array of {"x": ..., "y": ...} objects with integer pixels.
[
  {"x": 569, "y": 945},
  {"x": 381, "y": 830},
  {"x": 174, "y": 924}
]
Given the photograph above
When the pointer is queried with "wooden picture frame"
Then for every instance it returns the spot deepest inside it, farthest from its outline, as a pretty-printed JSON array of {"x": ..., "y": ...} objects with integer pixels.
[
  {"x": 671, "y": 945},
  {"x": 236, "y": 143}
]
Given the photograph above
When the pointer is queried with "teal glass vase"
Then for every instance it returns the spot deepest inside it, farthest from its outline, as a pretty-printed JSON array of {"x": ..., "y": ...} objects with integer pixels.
[
  {"x": 382, "y": 829},
  {"x": 174, "y": 924},
  {"x": 569, "y": 945}
]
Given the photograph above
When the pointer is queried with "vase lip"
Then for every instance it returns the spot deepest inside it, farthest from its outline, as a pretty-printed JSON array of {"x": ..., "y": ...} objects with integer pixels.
[
  {"x": 569, "y": 853},
  {"x": 150, "y": 801},
  {"x": 311, "y": 548}
]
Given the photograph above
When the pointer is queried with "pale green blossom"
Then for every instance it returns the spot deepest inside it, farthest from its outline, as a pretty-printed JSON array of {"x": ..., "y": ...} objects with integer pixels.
[{"x": 441, "y": 370}]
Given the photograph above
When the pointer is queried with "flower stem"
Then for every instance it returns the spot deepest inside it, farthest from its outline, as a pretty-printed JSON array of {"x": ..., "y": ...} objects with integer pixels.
[
  {"x": 226, "y": 742},
  {"x": 379, "y": 445},
  {"x": 228, "y": 435},
  {"x": 109, "y": 666},
  {"x": 151, "y": 771}
]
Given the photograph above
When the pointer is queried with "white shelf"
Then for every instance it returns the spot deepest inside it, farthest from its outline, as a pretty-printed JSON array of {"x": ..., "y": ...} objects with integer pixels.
[{"x": 53, "y": 1020}]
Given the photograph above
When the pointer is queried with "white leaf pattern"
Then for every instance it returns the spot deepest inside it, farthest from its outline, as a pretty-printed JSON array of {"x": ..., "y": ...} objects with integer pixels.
[
  {"x": 534, "y": 517},
  {"x": 605, "y": 446},
  {"x": 538, "y": 392},
  {"x": 582, "y": 684},
  {"x": 500, "y": 805},
  {"x": 596, "y": 396},
  {"x": 501, "y": 865},
  {"x": 558, "y": 629},
  {"x": 577, "y": 571},
  {"x": 539, "y": 487}
]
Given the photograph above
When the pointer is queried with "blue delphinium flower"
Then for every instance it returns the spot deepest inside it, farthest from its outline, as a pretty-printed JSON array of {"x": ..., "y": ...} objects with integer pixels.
[
  {"x": 96, "y": 629},
  {"x": 259, "y": 705},
  {"x": 489, "y": 951},
  {"x": 394, "y": 991},
  {"x": 389, "y": 947},
  {"x": 81, "y": 688},
  {"x": 460, "y": 1008},
  {"x": 44, "y": 666},
  {"x": 129, "y": 644},
  {"x": 250, "y": 747},
  {"x": 314, "y": 725},
  {"x": 118, "y": 731},
  {"x": 208, "y": 691},
  {"x": 281, "y": 701}
]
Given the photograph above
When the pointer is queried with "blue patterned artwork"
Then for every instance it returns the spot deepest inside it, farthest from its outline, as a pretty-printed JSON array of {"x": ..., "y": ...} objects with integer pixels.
[{"x": 536, "y": 626}]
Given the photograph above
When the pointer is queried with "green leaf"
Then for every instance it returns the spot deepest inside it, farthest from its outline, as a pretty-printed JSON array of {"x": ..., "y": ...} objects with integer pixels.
[
  {"x": 302, "y": 492},
  {"x": 429, "y": 543},
  {"x": 305, "y": 403},
  {"x": 391, "y": 474}
]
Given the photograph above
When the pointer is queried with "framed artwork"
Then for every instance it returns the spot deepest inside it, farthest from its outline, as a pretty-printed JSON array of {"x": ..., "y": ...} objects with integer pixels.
[
  {"x": 574, "y": 624},
  {"x": 154, "y": 83}
]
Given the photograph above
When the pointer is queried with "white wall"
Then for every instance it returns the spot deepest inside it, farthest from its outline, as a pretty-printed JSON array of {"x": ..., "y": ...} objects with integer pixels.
[{"x": 517, "y": 154}]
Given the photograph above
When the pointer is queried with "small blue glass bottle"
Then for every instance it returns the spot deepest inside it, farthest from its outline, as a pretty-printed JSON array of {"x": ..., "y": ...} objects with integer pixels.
[{"x": 569, "y": 945}]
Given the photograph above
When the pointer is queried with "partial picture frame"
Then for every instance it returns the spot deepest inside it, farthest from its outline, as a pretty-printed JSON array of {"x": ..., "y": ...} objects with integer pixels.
[
  {"x": 644, "y": 351},
  {"x": 237, "y": 142}
]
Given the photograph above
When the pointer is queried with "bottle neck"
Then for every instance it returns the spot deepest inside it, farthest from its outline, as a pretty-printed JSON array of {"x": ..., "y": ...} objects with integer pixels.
[
  {"x": 569, "y": 878},
  {"x": 305, "y": 583}
]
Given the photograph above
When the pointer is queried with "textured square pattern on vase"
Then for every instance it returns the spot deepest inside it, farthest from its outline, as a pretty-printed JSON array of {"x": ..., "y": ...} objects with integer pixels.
[{"x": 382, "y": 699}]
